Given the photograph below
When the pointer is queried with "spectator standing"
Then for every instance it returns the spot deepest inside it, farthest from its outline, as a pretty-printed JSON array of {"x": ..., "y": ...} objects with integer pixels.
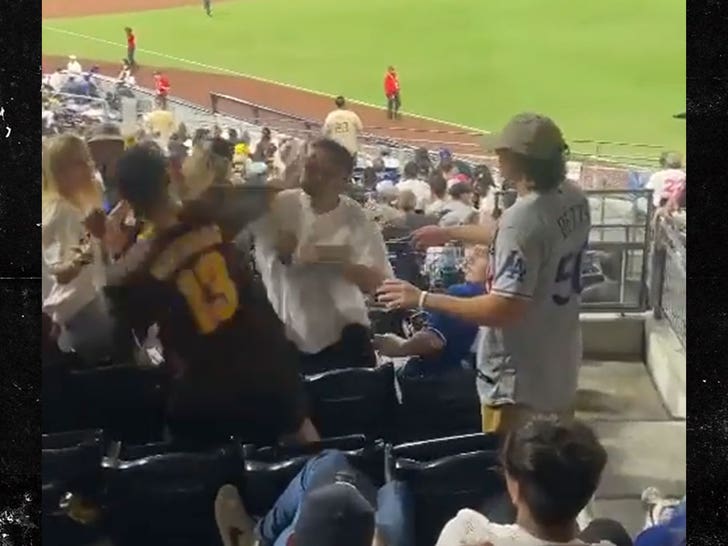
[
  {"x": 343, "y": 126},
  {"x": 234, "y": 371},
  {"x": 130, "y": 47},
  {"x": 161, "y": 87},
  {"x": 261, "y": 152},
  {"x": 57, "y": 79},
  {"x": 530, "y": 347},
  {"x": 668, "y": 181},
  {"x": 74, "y": 258},
  {"x": 318, "y": 255},
  {"x": 412, "y": 182},
  {"x": 552, "y": 469},
  {"x": 391, "y": 91},
  {"x": 73, "y": 66}
]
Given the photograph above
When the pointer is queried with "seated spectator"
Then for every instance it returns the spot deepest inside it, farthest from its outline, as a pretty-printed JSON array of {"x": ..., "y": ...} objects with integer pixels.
[
  {"x": 418, "y": 187},
  {"x": 445, "y": 341},
  {"x": 73, "y": 66},
  {"x": 446, "y": 167},
  {"x": 438, "y": 187},
  {"x": 668, "y": 180},
  {"x": 459, "y": 209},
  {"x": 390, "y": 163},
  {"x": 552, "y": 469},
  {"x": 57, "y": 79},
  {"x": 234, "y": 371},
  {"x": 318, "y": 255},
  {"x": 74, "y": 259},
  {"x": 329, "y": 503},
  {"x": 666, "y": 521},
  {"x": 411, "y": 219}
]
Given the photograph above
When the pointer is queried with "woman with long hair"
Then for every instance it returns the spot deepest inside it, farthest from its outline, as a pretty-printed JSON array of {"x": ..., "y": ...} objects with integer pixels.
[{"x": 71, "y": 201}]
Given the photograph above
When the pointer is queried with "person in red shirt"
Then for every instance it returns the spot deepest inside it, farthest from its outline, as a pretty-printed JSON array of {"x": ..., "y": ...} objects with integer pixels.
[
  {"x": 130, "y": 46},
  {"x": 161, "y": 86},
  {"x": 391, "y": 91}
]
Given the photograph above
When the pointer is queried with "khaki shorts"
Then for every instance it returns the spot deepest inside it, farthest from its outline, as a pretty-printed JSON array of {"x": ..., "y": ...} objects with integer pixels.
[{"x": 508, "y": 417}]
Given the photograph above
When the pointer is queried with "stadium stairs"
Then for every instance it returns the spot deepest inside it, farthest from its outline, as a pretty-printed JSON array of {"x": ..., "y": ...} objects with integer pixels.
[{"x": 632, "y": 391}]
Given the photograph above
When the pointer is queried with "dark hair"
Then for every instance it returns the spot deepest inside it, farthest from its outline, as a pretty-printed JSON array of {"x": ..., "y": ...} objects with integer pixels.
[
  {"x": 438, "y": 184},
  {"x": 483, "y": 178},
  {"x": 127, "y": 29},
  {"x": 340, "y": 101},
  {"x": 557, "y": 465},
  {"x": 459, "y": 189},
  {"x": 546, "y": 174},
  {"x": 340, "y": 156},
  {"x": 141, "y": 175},
  {"x": 200, "y": 135},
  {"x": 411, "y": 170}
]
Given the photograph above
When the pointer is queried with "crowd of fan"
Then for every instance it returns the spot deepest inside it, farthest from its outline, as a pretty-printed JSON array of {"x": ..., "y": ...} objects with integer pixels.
[{"x": 146, "y": 243}]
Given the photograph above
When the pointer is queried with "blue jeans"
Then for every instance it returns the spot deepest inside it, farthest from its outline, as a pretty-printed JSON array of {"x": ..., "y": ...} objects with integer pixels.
[{"x": 395, "y": 506}]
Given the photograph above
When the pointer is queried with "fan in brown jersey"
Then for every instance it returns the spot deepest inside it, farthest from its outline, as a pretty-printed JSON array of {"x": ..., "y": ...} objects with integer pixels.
[{"x": 235, "y": 372}]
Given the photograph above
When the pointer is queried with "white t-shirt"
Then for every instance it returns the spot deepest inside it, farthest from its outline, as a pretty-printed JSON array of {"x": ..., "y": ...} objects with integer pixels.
[
  {"x": 74, "y": 67},
  {"x": 315, "y": 302},
  {"x": 344, "y": 127},
  {"x": 420, "y": 188},
  {"x": 62, "y": 230},
  {"x": 663, "y": 183},
  {"x": 470, "y": 528},
  {"x": 57, "y": 80}
]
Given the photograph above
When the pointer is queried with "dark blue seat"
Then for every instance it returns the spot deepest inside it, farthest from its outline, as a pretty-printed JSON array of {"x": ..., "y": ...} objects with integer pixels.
[
  {"x": 169, "y": 498},
  {"x": 269, "y": 470},
  {"x": 128, "y": 402},
  {"x": 445, "y": 475},
  {"x": 438, "y": 405},
  {"x": 353, "y": 401}
]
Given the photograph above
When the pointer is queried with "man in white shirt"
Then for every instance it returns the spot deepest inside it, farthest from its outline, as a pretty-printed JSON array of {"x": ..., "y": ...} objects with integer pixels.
[
  {"x": 668, "y": 180},
  {"x": 419, "y": 187},
  {"x": 57, "y": 79},
  {"x": 319, "y": 255},
  {"x": 343, "y": 126},
  {"x": 73, "y": 67},
  {"x": 552, "y": 469}
]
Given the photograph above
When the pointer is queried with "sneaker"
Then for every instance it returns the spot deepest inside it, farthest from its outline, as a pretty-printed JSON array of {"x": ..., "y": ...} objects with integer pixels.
[
  {"x": 659, "y": 508},
  {"x": 235, "y": 525}
]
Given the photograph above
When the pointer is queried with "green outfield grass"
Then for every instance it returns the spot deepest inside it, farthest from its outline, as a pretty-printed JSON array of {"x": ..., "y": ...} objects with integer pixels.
[{"x": 611, "y": 69}]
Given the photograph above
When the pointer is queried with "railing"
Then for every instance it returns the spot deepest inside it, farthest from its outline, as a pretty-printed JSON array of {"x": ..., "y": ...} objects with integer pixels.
[
  {"x": 668, "y": 277},
  {"x": 614, "y": 272}
]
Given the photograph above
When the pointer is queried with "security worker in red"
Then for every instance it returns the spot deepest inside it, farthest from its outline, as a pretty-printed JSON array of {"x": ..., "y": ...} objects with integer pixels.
[
  {"x": 161, "y": 86},
  {"x": 391, "y": 90}
]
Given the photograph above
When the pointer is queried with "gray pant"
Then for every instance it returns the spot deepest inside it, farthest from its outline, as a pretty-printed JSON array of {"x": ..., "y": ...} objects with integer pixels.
[{"x": 207, "y": 4}]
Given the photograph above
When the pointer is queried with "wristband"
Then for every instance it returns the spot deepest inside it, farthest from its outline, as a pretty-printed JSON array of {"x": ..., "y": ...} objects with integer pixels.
[{"x": 423, "y": 297}]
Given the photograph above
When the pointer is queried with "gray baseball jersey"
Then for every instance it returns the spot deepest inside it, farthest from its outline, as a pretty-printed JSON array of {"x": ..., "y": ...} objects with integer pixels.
[{"x": 536, "y": 255}]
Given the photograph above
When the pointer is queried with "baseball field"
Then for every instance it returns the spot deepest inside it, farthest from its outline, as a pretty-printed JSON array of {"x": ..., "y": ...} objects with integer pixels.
[{"x": 605, "y": 70}]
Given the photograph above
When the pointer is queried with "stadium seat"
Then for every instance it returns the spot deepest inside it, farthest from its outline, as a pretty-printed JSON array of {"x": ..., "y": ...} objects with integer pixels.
[
  {"x": 128, "y": 402},
  {"x": 445, "y": 475},
  {"x": 70, "y": 463},
  {"x": 169, "y": 498},
  {"x": 353, "y": 401},
  {"x": 435, "y": 406}
]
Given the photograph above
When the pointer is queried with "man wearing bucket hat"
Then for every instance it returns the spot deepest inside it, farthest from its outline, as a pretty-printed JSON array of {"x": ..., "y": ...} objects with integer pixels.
[{"x": 530, "y": 344}]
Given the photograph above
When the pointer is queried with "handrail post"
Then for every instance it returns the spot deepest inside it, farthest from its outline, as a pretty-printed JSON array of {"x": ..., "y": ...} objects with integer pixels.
[{"x": 213, "y": 101}]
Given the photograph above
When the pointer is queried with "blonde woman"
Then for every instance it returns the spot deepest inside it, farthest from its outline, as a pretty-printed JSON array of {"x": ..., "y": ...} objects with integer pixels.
[{"x": 72, "y": 197}]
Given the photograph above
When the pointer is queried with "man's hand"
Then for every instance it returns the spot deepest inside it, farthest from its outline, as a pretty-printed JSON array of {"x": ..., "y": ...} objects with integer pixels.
[
  {"x": 286, "y": 245},
  {"x": 397, "y": 294},
  {"x": 388, "y": 345},
  {"x": 95, "y": 223},
  {"x": 428, "y": 236}
]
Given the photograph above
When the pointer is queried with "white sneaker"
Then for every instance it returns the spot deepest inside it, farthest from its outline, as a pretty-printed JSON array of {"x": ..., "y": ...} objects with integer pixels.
[
  {"x": 235, "y": 525},
  {"x": 659, "y": 508}
]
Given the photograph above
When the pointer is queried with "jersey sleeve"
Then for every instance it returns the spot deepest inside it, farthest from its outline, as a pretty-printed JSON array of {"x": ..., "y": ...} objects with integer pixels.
[{"x": 517, "y": 262}]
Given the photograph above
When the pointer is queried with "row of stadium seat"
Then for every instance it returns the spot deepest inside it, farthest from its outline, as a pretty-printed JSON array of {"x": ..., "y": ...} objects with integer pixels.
[
  {"x": 161, "y": 494},
  {"x": 128, "y": 402}
]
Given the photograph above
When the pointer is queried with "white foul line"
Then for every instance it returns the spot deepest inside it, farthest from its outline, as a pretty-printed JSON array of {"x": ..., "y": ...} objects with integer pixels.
[{"x": 248, "y": 76}]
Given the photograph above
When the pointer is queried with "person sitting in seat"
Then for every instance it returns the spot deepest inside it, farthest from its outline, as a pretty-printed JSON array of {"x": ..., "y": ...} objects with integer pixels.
[
  {"x": 552, "y": 469},
  {"x": 234, "y": 371},
  {"x": 328, "y": 503},
  {"x": 445, "y": 341}
]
